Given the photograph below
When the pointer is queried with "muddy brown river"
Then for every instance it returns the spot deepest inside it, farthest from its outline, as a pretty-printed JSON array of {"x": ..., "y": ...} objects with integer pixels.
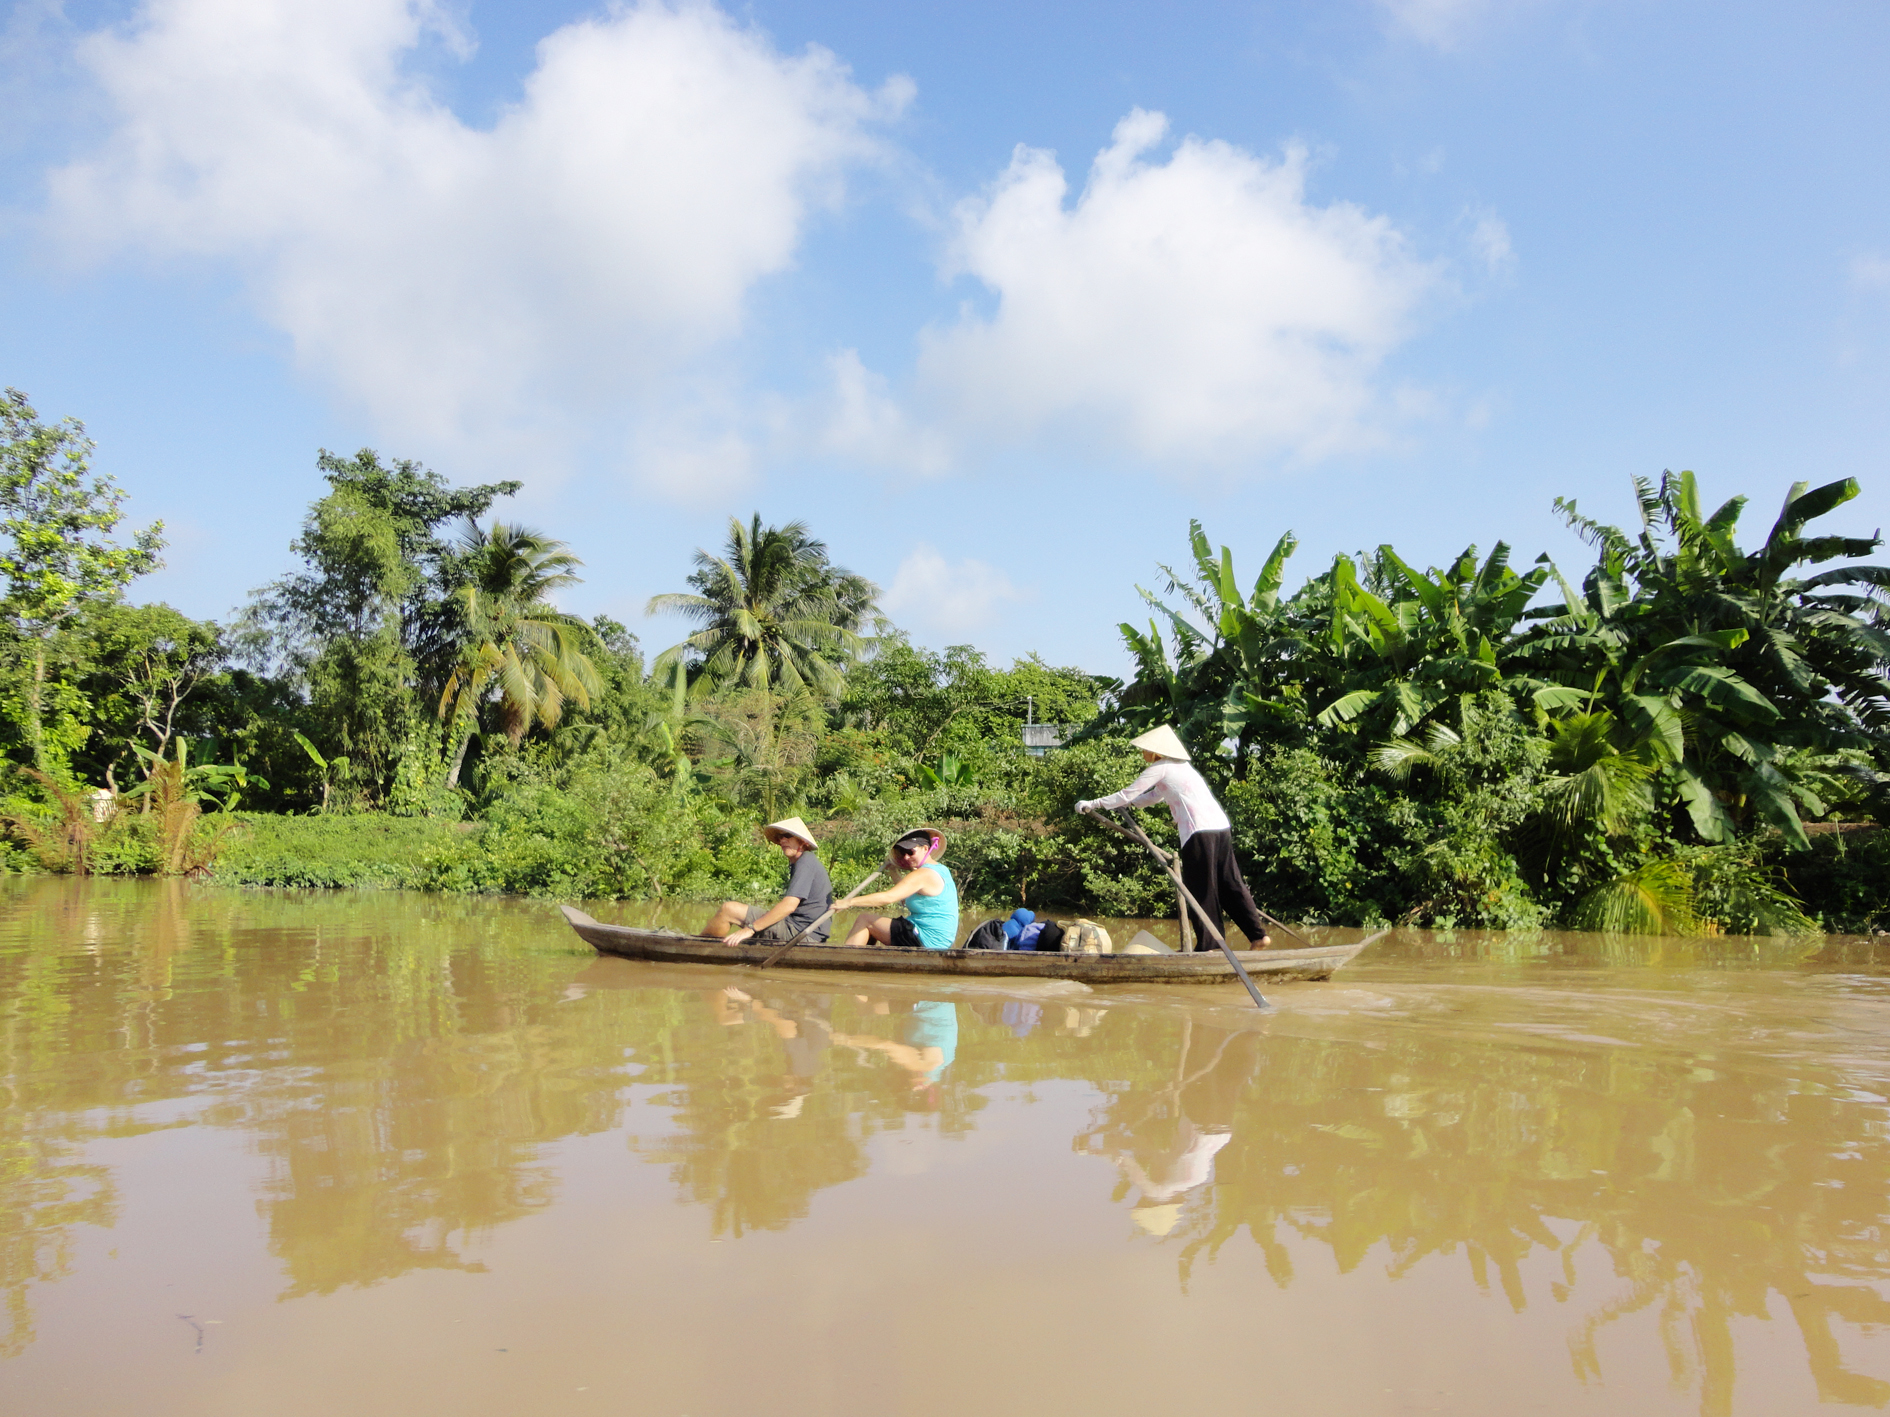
[{"x": 368, "y": 1154}]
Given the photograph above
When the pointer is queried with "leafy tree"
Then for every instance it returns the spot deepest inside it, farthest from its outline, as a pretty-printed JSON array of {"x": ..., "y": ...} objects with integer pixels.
[
  {"x": 144, "y": 668},
  {"x": 58, "y": 560},
  {"x": 240, "y": 716},
  {"x": 1236, "y": 674},
  {"x": 362, "y": 622},
  {"x": 1432, "y": 640},
  {"x": 758, "y": 747},
  {"x": 915, "y": 707},
  {"x": 514, "y": 647},
  {"x": 775, "y": 614},
  {"x": 1688, "y": 691},
  {"x": 630, "y": 710},
  {"x": 921, "y": 702},
  {"x": 779, "y": 623}
]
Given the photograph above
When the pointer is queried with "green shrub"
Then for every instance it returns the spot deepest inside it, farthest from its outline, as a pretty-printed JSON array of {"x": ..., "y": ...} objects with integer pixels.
[
  {"x": 604, "y": 825},
  {"x": 366, "y": 849},
  {"x": 1844, "y": 880}
]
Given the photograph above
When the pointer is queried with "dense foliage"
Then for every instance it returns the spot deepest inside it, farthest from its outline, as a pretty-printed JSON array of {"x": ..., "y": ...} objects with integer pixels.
[
  {"x": 1692, "y": 737},
  {"x": 1429, "y": 745}
]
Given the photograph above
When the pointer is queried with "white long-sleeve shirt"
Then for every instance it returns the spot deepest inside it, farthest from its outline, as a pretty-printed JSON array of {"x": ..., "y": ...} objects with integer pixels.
[
  {"x": 1174, "y": 1176},
  {"x": 1182, "y": 789}
]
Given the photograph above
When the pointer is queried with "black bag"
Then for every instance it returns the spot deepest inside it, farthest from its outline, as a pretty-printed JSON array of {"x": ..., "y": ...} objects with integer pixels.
[
  {"x": 1050, "y": 938},
  {"x": 988, "y": 936}
]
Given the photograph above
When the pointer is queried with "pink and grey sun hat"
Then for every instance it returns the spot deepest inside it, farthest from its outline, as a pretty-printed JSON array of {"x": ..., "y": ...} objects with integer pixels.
[{"x": 933, "y": 834}]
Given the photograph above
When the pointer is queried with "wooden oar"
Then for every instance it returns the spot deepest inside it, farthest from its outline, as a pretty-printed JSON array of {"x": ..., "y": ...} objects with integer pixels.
[
  {"x": 820, "y": 920},
  {"x": 1208, "y": 927}
]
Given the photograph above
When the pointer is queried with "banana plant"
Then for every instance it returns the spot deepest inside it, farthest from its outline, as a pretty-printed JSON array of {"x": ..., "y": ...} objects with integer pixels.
[
  {"x": 221, "y": 783},
  {"x": 950, "y": 772},
  {"x": 323, "y": 765},
  {"x": 1235, "y": 666},
  {"x": 1760, "y": 681},
  {"x": 1434, "y": 640}
]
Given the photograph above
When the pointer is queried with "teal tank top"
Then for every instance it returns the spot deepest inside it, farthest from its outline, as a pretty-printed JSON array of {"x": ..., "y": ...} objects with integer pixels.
[{"x": 935, "y": 917}]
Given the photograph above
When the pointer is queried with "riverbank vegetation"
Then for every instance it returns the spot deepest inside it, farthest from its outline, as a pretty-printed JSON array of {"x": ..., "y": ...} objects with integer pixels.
[{"x": 1684, "y": 734}]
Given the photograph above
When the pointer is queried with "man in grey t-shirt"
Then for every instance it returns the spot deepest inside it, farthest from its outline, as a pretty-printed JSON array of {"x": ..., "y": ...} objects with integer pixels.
[{"x": 808, "y": 895}]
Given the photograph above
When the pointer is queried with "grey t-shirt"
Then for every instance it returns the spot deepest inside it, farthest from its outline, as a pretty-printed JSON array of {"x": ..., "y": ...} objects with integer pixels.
[{"x": 807, "y": 879}]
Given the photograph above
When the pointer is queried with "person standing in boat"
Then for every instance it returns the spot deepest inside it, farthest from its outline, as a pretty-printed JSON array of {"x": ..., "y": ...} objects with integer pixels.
[
  {"x": 926, "y": 889},
  {"x": 1208, "y": 868},
  {"x": 808, "y": 896}
]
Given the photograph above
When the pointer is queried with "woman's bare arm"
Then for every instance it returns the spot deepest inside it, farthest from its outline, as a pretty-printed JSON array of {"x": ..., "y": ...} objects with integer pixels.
[{"x": 917, "y": 881}]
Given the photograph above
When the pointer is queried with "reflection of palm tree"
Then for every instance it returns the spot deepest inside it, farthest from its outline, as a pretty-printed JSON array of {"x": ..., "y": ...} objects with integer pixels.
[
  {"x": 511, "y": 641},
  {"x": 1698, "y": 1200},
  {"x": 774, "y": 612}
]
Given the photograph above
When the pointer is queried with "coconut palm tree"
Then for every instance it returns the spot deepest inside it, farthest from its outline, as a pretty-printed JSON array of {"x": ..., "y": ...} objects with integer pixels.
[
  {"x": 511, "y": 644},
  {"x": 774, "y": 613}
]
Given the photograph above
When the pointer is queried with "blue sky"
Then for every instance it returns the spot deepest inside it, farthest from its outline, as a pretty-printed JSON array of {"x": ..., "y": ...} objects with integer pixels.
[{"x": 996, "y": 297}]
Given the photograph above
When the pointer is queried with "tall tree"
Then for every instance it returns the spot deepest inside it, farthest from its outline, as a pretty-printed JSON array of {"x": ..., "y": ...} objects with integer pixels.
[
  {"x": 359, "y": 625},
  {"x": 775, "y": 613},
  {"x": 58, "y": 560},
  {"x": 513, "y": 645},
  {"x": 144, "y": 667}
]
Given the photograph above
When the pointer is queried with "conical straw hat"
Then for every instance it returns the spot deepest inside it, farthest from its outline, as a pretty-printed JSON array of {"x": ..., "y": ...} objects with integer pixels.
[
  {"x": 1163, "y": 742},
  {"x": 1155, "y": 1220},
  {"x": 790, "y": 826}
]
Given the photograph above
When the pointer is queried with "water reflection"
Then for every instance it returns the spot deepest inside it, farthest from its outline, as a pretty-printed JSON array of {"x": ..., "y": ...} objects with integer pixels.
[
  {"x": 841, "y": 1067},
  {"x": 1164, "y": 1140},
  {"x": 1685, "y": 1145}
]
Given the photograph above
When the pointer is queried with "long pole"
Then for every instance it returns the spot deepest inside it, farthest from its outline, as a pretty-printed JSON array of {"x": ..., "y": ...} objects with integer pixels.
[
  {"x": 1162, "y": 856},
  {"x": 820, "y": 920},
  {"x": 1135, "y": 833},
  {"x": 1174, "y": 870}
]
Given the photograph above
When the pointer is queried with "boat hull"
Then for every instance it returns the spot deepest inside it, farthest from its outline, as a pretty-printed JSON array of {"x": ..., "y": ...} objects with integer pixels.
[{"x": 1202, "y": 967}]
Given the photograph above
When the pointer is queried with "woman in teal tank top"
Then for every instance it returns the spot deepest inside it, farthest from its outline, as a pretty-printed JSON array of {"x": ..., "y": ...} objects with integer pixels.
[{"x": 927, "y": 890}]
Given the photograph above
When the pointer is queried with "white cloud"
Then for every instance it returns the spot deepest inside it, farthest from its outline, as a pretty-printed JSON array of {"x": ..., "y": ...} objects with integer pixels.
[
  {"x": 946, "y": 600},
  {"x": 599, "y": 239},
  {"x": 1442, "y": 24},
  {"x": 1871, "y": 272},
  {"x": 702, "y": 462},
  {"x": 865, "y": 424},
  {"x": 1489, "y": 240},
  {"x": 1195, "y": 310}
]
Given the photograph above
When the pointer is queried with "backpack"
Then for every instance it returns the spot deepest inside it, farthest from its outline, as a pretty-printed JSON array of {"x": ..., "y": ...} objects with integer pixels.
[
  {"x": 1087, "y": 937},
  {"x": 1050, "y": 937},
  {"x": 988, "y": 936}
]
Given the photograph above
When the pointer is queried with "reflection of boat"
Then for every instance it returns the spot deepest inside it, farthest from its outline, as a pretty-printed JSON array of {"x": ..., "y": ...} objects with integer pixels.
[{"x": 1319, "y": 962}]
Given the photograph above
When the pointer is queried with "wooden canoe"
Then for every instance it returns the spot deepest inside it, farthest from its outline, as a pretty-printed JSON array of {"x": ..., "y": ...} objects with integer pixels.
[{"x": 1202, "y": 967}]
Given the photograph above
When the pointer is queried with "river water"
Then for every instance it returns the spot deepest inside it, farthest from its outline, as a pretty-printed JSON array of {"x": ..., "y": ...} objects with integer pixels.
[{"x": 385, "y": 1154}]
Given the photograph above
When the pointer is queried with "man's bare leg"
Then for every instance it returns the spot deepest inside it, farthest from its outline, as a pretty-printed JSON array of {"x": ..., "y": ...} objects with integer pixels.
[{"x": 731, "y": 915}]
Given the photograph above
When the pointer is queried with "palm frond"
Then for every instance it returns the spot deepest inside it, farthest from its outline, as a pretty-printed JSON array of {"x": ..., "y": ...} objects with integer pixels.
[{"x": 1655, "y": 899}]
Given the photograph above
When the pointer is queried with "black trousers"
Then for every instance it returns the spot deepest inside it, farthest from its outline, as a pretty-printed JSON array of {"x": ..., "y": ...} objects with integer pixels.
[{"x": 1212, "y": 877}]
